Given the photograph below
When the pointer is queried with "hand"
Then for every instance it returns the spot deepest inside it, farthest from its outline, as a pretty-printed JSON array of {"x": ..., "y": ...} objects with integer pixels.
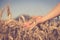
[
  {"x": 29, "y": 25},
  {"x": 32, "y": 23}
]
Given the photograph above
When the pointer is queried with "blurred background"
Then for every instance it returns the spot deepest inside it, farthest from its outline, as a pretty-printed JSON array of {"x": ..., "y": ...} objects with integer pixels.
[
  {"x": 29, "y": 7},
  {"x": 14, "y": 29}
]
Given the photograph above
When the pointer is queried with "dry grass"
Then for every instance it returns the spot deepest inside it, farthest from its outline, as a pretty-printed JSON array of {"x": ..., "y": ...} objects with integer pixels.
[{"x": 13, "y": 30}]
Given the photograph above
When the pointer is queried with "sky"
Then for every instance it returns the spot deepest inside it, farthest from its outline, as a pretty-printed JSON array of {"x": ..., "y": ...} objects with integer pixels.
[{"x": 29, "y": 7}]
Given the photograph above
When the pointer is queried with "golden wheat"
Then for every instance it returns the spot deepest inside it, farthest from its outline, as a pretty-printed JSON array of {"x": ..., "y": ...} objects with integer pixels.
[{"x": 11, "y": 29}]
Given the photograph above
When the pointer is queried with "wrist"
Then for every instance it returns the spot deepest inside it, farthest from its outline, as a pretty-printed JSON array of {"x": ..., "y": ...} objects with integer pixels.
[{"x": 41, "y": 20}]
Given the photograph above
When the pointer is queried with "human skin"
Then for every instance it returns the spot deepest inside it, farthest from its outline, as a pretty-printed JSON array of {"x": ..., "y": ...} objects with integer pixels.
[{"x": 53, "y": 13}]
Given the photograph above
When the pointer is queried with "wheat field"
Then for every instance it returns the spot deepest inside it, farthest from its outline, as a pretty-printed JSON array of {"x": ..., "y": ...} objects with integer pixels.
[
  {"x": 12, "y": 29},
  {"x": 49, "y": 30}
]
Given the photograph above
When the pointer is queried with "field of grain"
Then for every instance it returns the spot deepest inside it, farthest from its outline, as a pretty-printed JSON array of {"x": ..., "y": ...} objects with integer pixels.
[
  {"x": 12, "y": 29},
  {"x": 49, "y": 30}
]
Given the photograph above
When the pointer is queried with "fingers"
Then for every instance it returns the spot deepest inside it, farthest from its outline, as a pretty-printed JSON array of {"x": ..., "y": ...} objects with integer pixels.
[
  {"x": 26, "y": 24},
  {"x": 31, "y": 23}
]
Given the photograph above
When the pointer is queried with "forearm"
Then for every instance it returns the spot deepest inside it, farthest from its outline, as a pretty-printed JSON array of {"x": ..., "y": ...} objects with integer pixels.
[{"x": 55, "y": 12}]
